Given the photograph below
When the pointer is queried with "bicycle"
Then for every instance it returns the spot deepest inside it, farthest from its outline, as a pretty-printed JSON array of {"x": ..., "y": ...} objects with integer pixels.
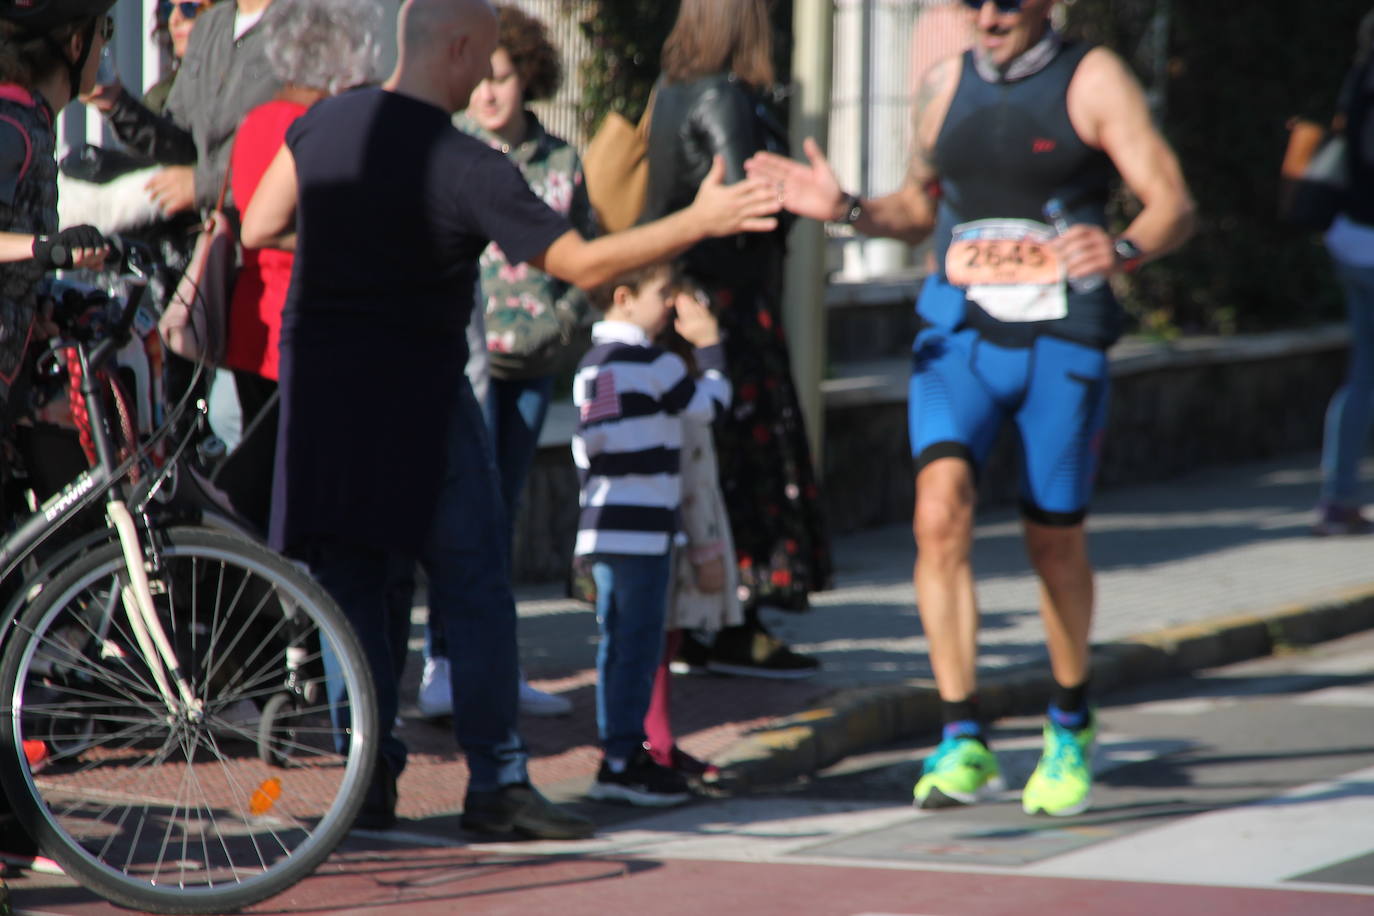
[{"x": 187, "y": 721}]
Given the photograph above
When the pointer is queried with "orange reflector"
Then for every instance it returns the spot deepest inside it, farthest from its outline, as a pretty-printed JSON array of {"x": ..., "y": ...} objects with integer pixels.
[
  {"x": 265, "y": 796},
  {"x": 35, "y": 751}
]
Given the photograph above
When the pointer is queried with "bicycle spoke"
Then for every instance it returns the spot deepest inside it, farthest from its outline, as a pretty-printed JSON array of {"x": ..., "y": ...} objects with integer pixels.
[{"x": 190, "y": 801}]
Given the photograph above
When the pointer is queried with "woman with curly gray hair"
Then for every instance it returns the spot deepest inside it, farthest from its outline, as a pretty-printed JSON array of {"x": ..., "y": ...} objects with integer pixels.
[{"x": 317, "y": 48}]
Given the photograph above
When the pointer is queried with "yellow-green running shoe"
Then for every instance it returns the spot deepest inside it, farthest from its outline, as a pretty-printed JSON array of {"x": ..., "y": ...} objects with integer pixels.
[
  {"x": 960, "y": 772},
  {"x": 1062, "y": 784}
]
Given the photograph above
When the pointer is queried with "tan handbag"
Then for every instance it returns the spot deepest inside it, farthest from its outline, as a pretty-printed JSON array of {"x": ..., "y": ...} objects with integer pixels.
[
  {"x": 195, "y": 323},
  {"x": 616, "y": 168}
]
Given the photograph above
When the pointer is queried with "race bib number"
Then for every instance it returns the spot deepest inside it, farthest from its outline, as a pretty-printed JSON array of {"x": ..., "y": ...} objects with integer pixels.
[{"x": 1008, "y": 267}]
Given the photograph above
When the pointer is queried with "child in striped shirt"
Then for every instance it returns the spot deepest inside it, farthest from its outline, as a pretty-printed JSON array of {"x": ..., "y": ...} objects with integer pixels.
[{"x": 631, "y": 396}]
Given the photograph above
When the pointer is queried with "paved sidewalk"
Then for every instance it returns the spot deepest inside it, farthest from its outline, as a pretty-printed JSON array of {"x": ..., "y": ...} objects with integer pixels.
[{"x": 1200, "y": 571}]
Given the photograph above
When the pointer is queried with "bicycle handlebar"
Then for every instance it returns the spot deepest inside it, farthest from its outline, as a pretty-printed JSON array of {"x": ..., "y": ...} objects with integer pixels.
[{"x": 133, "y": 263}]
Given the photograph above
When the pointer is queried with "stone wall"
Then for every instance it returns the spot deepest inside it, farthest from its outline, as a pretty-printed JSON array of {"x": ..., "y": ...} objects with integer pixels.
[{"x": 1175, "y": 408}]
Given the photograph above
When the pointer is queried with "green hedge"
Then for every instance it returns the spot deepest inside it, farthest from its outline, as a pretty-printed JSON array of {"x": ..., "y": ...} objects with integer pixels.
[
  {"x": 1236, "y": 72},
  {"x": 627, "y": 36}
]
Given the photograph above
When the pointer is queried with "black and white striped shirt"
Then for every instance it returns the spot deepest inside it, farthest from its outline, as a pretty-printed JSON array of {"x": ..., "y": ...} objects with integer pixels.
[{"x": 631, "y": 396}]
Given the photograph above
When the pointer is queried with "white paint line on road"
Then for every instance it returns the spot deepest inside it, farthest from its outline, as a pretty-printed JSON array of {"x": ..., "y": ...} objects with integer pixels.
[
  {"x": 746, "y": 830},
  {"x": 1259, "y": 844},
  {"x": 1188, "y": 706},
  {"x": 1352, "y": 664},
  {"x": 1358, "y": 697}
]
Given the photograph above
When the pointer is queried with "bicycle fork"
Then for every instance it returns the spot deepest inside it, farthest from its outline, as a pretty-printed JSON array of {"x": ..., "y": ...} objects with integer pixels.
[{"x": 137, "y": 598}]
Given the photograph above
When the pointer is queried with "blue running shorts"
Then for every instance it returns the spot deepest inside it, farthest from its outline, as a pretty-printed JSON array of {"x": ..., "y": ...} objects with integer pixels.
[{"x": 963, "y": 388}]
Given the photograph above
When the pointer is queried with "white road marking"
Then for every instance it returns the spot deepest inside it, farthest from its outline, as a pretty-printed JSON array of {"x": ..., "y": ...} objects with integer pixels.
[
  {"x": 1259, "y": 844},
  {"x": 1339, "y": 696}
]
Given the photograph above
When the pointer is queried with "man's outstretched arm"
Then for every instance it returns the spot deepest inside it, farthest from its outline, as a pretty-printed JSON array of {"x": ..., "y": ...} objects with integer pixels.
[{"x": 718, "y": 210}]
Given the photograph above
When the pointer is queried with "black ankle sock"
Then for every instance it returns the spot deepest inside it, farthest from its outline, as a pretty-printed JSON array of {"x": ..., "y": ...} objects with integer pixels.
[
  {"x": 961, "y": 719},
  {"x": 1070, "y": 699},
  {"x": 1069, "y": 706}
]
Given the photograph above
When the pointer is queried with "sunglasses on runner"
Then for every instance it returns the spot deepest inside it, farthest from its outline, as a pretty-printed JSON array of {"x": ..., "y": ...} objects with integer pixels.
[
  {"x": 188, "y": 9},
  {"x": 1003, "y": 6},
  {"x": 105, "y": 27}
]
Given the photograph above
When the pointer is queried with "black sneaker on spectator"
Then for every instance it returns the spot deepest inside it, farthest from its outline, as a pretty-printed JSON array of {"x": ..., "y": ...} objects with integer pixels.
[
  {"x": 642, "y": 782},
  {"x": 692, "y": 656},
  {"x": 520, "y": 810},
  {"x": 748, "y": 652}
]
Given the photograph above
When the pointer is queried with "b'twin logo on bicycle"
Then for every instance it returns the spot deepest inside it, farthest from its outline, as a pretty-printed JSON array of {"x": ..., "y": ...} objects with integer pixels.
[{"x": 68, "y": 497}]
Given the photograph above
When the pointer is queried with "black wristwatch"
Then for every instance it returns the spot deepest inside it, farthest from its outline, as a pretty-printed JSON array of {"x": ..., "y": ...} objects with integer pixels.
[
  {"x": 853, "y": 209},
  {"x": 1128, "y": 254}
]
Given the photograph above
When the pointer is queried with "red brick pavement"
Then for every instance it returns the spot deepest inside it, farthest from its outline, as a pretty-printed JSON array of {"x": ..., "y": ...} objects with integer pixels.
[{"x": 709, "y": 713}]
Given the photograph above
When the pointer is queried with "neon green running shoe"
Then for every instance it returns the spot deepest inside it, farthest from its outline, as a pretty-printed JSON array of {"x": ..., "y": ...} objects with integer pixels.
[
  {"x": 1062, "y": 784},
  {"x": 960, "y": 772}
]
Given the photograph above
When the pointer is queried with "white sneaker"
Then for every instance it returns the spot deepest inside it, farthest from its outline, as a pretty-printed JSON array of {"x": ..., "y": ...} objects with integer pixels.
[
  {"x": 538, "y": 703},
  {"x": 436, "y": 689}
]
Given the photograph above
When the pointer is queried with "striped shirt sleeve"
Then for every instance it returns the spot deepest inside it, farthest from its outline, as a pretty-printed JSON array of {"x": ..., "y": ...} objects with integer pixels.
[{"x": 703, "y": 397}]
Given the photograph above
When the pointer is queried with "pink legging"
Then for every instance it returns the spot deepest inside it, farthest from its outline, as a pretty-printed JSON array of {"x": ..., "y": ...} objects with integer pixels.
[{"x": 658, "y": 721}]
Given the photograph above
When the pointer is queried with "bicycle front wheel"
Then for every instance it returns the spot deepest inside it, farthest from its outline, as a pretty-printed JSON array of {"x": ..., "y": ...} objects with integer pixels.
[{"x": 158, "y": 798}]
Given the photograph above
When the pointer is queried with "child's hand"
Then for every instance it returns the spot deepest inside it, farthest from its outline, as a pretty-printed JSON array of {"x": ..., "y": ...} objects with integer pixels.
[
  {"x": 710, "y": 575},
  {"x": 695, "y": 322}
]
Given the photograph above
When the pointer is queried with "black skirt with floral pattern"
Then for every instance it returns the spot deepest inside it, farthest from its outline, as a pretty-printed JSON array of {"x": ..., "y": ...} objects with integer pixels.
[{"x": 766, "y": 472}]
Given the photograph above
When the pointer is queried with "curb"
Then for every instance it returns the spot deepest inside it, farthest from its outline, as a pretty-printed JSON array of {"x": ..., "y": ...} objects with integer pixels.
[{"x": 861, "y": 719}]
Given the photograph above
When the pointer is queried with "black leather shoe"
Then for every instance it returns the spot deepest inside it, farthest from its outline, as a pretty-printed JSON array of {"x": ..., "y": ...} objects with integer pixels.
[
  {"x": 754, "y": 652},
  {"x": 520, "y": 809},
  {"x": 379, "y": 807}
]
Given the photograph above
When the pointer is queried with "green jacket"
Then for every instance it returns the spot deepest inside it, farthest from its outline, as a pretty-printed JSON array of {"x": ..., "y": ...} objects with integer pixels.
[{"x": 530, "y": 315}]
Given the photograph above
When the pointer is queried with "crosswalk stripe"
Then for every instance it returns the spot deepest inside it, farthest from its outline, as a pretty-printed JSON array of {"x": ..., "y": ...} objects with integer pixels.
[{"x": 1260, "y": 844}]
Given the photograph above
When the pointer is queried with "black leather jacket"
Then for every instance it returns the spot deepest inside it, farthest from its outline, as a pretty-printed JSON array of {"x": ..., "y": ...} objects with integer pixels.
[{"x": 692, "y": 123}]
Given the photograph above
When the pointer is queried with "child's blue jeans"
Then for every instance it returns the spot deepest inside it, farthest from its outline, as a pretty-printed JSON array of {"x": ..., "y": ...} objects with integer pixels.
[{"x": 631, "y": 604}]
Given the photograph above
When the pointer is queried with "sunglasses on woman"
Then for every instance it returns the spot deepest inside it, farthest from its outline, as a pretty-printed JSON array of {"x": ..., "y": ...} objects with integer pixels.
[
  {"x": 105, "y": 26},
  {"x": 187, "y": 8},
  {"x": 1003, "y": 6}
]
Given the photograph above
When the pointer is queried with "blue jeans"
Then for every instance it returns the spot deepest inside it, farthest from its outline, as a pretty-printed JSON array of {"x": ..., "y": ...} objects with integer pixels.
[
  {"x": 467, "y": 562},
  {"x": 515, "y": 412},
  {"x": 516, "y": 409},
  {"x": 1351, "y": 410},
  {"x": 631, "y": 605}
]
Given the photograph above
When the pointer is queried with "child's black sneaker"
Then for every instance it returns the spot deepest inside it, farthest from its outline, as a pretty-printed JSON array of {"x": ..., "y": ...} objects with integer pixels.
[{"x": 642, "y": 782}]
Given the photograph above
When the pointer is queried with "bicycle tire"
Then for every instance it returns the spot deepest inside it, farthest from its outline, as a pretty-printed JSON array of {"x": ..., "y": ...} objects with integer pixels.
[{"x": 118, "y": 814}]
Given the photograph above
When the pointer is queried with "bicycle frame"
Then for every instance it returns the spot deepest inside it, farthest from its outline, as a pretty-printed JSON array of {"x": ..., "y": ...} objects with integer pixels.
[{"x": 108, "y": 479}]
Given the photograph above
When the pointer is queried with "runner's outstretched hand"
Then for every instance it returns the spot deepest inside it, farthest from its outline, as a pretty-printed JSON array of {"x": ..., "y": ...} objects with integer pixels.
[{"x": 810, "y": 190}]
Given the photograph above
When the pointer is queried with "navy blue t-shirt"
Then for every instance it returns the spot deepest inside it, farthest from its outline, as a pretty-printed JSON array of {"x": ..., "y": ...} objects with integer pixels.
[{"x": 395, "y": 205}]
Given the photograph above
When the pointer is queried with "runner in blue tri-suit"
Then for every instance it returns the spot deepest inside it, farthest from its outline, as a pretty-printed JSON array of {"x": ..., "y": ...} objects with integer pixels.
[{"x": 1016, "y": 319}]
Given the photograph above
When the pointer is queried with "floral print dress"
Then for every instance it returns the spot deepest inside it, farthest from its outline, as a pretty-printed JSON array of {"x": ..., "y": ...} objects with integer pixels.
[{"x": 530, "y": 315}]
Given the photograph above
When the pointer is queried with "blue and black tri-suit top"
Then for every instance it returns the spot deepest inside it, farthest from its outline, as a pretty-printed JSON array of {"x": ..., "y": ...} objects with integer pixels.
[{"x": 1003, "y": 151}]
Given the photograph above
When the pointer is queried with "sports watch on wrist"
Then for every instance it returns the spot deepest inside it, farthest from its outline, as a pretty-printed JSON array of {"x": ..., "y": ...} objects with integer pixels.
[
  {"x": 1128, "y": 254},
  {"x": 853, "y": 209}
]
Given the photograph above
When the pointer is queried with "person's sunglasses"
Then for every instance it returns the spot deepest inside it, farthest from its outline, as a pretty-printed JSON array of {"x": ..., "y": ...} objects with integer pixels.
[
  {"x": 188, "y": 9},
  {"x": 106, "y": 28},
  {"x": 1003, "y": 6}
]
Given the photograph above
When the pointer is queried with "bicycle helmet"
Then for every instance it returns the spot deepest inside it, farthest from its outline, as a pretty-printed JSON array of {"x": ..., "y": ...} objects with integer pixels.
[{"x": 38, "y": 17}]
